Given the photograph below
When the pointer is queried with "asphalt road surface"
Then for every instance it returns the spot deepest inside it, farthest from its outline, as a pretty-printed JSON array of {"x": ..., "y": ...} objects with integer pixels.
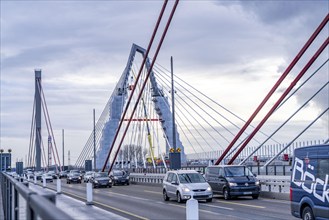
[{"x": 146, "y": 202}]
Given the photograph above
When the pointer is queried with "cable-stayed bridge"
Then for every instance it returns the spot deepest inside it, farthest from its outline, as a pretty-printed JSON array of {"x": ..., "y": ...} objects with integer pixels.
[
  {"x": 203, "y": 125},
  {"x": 153, "y": 113},
  {"x": 167, "y": 114}
]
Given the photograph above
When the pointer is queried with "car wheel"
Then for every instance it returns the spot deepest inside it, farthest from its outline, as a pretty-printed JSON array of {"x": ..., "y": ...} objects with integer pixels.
[
  {"x": 226, "y": 194},
  {"x": 128, "y": 184},
  {"x": 110, "y": 186},
  {"x": 307, "y": 213},
  {"x": 209, "y": 200},
  {"x": 255, "y": 196},
  {"x": 165, "y": 196},
  {"x": 179, "y": 198}
]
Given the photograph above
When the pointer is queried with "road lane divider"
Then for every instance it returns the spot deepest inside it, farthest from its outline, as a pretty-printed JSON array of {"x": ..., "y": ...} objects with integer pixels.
[
  {"x": 128, "y": 196},
  {"x": 160, "y": 193},
  {"x": 218, "y": 207},
  {"x": 107, "y": 206},
  {"x": 201, "y": 210},
  {"x": 242, "y": 204}
]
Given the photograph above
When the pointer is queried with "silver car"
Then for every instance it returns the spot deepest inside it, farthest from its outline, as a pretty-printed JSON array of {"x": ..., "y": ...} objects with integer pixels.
[
  {"x": 182, "y": 184},
  {"x": 88, "y": 176}
]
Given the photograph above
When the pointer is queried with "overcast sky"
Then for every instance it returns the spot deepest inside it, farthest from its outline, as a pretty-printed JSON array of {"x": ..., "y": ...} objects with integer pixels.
[{"x": 233, "y": 51}]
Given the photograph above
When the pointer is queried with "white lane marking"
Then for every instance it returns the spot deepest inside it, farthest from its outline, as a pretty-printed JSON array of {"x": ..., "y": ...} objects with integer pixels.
[
  {"x": 133, "y": 197},
  {"x": 201, "y": 210},
  {"x": 219, "y": 207},
  {"x": 242, "y": 204},
  {"x": 276, "y": 201}
]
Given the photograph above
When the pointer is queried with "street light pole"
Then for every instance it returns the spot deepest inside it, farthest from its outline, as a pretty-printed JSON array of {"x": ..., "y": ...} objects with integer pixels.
[
  {"x": 1, "y": 151},
  {"x": 174, "y": 155},
  {"x": 173, "y": 104},
  {"x": 63, "y": 147},
  {"x": 94, "y": 142},
  {"x": 9, "y": 159}
]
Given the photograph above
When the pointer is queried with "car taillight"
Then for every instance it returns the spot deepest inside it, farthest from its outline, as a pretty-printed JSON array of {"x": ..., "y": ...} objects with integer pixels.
[{"x": 290, "y": 194}]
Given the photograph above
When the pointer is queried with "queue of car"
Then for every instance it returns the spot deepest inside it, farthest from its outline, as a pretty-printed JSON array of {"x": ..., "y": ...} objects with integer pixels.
[
  {"x": 98, "y": 179},
  {"x": 229, "y": 181},
  {"x": 308, "y": 190}
]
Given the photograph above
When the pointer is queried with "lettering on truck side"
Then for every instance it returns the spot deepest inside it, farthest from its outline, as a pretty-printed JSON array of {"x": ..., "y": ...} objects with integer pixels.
[{"x": 298, "y": 169}]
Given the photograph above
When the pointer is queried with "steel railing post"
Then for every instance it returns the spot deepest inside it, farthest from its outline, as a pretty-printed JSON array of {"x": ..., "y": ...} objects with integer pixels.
[{"x": 15, "y": 204}]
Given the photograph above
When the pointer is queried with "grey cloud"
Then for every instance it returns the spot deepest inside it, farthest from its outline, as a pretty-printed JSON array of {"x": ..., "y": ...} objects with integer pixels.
[{"x": 277, "y": 11}]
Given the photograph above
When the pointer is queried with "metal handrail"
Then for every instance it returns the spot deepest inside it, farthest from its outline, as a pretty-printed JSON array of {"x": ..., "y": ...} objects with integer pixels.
[{"x": 37, "y": 205}]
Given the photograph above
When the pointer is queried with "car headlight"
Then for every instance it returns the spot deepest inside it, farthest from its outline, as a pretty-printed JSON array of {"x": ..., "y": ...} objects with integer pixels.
[
  {"x": 110, "y": 181},
  {"x": 233, "y": 184},
  {"x": 79, "y": 177},
  {"x": 257, "y": 183},
  {"x": 209, "y": 188},
  {"x": 185, "y": 189},
  {"x": 96, "y": 181},
  {"x": 127, "y": 177}
]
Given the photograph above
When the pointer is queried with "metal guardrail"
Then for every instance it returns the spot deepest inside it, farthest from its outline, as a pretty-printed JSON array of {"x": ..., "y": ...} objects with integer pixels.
[
  {"x": 276, "y": 184},
  {"x": 280, "y": 170},
  {"x": 21, "y": 202},
  {"x": 156, "y": 178}
]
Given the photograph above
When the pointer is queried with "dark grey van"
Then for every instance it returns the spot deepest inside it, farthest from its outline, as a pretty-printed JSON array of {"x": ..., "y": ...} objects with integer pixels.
[
  {"x": 309, "y": 189},
  {"x": 232, "y": 180}
]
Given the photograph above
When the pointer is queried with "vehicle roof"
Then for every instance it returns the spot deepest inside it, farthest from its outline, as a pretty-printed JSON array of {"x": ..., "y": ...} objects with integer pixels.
[
  {"x": 227, "y": 165},
  {"x": 320, "y": 146},
  {"x": 183, "y": 171}
]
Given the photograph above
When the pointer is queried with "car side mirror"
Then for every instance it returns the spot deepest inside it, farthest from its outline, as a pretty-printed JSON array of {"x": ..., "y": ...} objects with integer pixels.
[
  {"x": 255, "y": 174},
  {"x": 174, "y": 183}
]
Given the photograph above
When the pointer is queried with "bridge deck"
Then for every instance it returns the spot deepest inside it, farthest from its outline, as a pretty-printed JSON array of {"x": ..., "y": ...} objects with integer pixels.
[{"x": 76, "y": 208}]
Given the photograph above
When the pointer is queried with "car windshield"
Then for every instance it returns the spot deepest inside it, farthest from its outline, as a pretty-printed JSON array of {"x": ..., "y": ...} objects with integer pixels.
[
  {"x": 117, "y": 173},
  {"x": 237, "y": 171},
  {"x": 101, "y": 174},
  {"x": 191, "y": 178}
]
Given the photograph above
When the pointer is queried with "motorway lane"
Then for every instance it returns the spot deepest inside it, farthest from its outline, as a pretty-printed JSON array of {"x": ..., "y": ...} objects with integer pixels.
[{"x": 145, "y": 202}]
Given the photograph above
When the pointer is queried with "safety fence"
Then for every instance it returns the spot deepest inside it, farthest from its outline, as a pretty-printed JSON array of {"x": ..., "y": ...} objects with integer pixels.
[
  {"x": 20, "y": 202},
  {"x": 280, "y": 170},
  {"x": 276, "y": 184}
]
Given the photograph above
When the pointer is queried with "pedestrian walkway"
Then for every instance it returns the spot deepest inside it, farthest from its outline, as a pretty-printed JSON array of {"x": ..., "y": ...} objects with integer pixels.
[{"x": 76, "y": 208}]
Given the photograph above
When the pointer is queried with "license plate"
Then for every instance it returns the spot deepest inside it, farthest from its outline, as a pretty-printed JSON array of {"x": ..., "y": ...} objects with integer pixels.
[{"x": 247, "y": 193}]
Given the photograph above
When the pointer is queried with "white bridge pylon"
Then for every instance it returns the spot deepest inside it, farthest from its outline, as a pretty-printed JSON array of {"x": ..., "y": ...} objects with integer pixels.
[{"x": 151, "y": 135}]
